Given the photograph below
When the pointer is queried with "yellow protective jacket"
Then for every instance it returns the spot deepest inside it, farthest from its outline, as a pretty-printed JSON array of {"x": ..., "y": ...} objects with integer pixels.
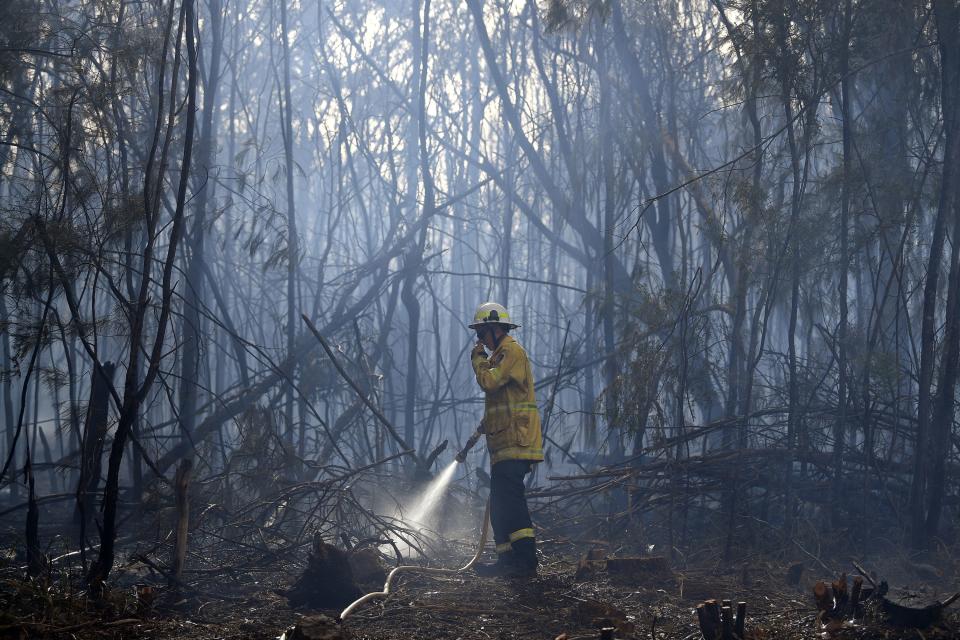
[{"x": 511, "y": 421}]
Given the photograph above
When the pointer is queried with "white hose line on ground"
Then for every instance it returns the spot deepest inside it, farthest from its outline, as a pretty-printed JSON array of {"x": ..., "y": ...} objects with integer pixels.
[{"x": 414, "y": 568}]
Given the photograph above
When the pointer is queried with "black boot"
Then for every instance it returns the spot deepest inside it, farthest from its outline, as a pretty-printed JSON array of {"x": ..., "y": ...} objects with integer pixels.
[
  {"x": 525, "y": 558},
  {"x": 503, "y": 566}
]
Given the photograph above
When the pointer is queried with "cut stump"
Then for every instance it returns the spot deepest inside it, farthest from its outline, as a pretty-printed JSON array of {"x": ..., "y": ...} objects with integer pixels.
[
  {"x": 906, "y": 608},
  {"x": 721, "y": 620},
  {"x": 327, "y": 582}
]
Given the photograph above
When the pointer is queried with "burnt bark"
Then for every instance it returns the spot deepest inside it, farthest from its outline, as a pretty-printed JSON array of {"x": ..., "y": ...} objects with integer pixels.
[
  {"x": 135, "y": 393},
  {"x": 944, "y": 407},
  {"x": 91, "y": 449},
  {"x": 193, "y": 294}
]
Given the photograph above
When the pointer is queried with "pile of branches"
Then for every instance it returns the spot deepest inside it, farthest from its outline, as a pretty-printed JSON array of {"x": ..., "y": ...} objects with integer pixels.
[{"x": 718, "y": 488}]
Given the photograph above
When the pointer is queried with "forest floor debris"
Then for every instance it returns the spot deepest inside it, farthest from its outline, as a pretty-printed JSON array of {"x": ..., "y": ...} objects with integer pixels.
[
  {"x": 261, "y": 568},
  {"x": 252, "y": 604}
]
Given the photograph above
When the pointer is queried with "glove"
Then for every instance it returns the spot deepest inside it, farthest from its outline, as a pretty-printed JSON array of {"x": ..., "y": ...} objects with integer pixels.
[
  {"x": 478, "y": 350},
  {"x": 472, "y": 440}
]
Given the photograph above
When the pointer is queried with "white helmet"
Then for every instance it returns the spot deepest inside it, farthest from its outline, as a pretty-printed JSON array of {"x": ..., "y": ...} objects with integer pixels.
[{"x": 494, "y": 313}]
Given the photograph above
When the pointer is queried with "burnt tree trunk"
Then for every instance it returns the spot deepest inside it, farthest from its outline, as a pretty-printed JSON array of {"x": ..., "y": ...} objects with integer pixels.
[
  {"x": 10, "y": 423},
  {"x": 91, "y": 449},
  {"x": 293, "y": 249},
  {"x": 193, "y": 293},
  {"x": 134, "y": 393},
  {"x": 941, "y": 424}
]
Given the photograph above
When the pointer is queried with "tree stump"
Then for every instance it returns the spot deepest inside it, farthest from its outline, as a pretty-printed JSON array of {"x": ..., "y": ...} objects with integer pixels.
[
  {"x": 327, "y": 582},
  {"x": 366, "y": 567},
  {"x": 837, "y": 600},
  {"x": 721, "y": 620},
  {"x": 908, "y": 608}
]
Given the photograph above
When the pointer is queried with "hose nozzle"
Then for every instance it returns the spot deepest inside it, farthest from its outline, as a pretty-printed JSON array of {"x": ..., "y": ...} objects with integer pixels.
[{"x": 472, "y": 440}]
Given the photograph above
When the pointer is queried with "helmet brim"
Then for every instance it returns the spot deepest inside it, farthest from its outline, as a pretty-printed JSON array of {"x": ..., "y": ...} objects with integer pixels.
[{"x": 477, "y": 325}]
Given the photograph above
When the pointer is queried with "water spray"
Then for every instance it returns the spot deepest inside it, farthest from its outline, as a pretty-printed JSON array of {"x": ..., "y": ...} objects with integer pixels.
[
  {"x": 427, "y": 503},
  {"x": 434, "y": 490},
  {"x": 431, "y": 496}
]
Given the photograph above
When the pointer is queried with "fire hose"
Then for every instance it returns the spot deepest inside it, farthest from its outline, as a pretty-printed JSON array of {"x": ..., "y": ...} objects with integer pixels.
[{"x": 461, "y": 457}]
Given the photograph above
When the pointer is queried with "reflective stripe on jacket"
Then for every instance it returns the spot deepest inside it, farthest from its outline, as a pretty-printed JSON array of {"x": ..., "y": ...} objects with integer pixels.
[{"x": 511, "y": 420}]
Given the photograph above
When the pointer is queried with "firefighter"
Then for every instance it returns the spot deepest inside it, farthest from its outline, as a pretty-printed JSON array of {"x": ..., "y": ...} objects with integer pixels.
[{"x": 511, "y": 424}]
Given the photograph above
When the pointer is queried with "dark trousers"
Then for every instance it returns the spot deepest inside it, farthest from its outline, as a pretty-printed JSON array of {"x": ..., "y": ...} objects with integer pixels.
[{"x": 509, "y": 515}]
